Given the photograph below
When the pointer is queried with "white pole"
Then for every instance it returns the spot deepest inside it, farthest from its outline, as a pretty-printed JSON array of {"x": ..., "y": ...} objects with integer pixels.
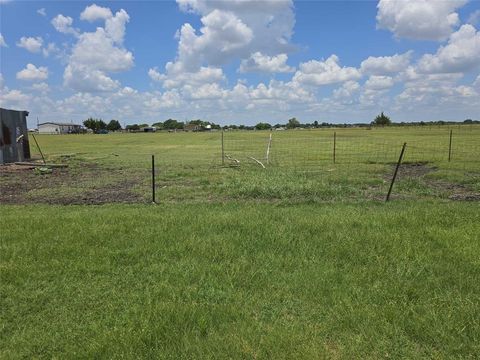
[{"x": 268, "y": 147}]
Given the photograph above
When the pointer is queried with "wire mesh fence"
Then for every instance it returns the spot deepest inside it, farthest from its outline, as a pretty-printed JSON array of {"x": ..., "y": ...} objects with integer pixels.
[
  {"x": 324, "y": 164},
  {"x": 310, "y": 149}
]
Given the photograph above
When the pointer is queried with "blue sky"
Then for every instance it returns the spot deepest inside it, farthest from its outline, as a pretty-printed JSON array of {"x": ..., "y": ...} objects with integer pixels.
[{"x": 241, "y": 61}]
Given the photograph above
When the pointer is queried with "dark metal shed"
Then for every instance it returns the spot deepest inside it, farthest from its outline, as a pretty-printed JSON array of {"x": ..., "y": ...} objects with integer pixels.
[{"x": 14, "y": 145}]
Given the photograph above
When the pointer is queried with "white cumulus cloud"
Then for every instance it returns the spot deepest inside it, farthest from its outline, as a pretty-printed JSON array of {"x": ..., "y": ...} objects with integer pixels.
[
  {"x": 177, "y": 77},
  {"x": 95, "y": 12},
  {"x": 271, "y": 21},
  {"x": 32, "y": 44},
  {"x": 377, "y": 82},
  {"x": 86, "y": 79},
  {"x": 155, "y": 75},
  {"x": 427, "y": 90},
  {"x": 41, "y": 87},
  {"x": 99, "y": 50},
  {"x": 419, "y": 19},
  {"x": 222, "y": 37},
  {"x": 13, "y": 99},
  {"x": 115, "y": 26},
  {"x": 384, "y": 65},
  {"x": 230, "y": 31},
  {"x": 279, "y": 91},
  {"x": 347, "y": 90},
  {"x": 32, "y": 73},
  {"x": 461, "y": 54},
  {"x": 63, "y": 24},
  {"x": 2, "y": 41},
  {"x": 259, "y": 62},
  {"x": 325, "y": 72},
  {"x": 97, "y": 54}
]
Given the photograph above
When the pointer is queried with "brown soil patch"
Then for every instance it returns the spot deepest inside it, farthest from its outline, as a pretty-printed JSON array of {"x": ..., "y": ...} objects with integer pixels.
[
  {"x": 419, "y": 169},
  {"x": 81, "y": 184},
  {"x": 458, "y": 192},
  {"x": 13, "y": 168},
  {"x": 465, "y": 197}
]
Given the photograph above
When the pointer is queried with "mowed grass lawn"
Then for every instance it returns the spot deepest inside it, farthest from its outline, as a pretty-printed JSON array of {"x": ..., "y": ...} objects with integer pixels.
[
  {"x": 241, "y": 280},
  {"x": 302, "y": 259}
]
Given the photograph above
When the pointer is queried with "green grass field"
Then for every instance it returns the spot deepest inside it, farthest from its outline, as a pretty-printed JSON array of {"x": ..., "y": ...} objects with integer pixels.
[
  {"x": 302, "y": 259},
  {"x": 116, "y": 167}
]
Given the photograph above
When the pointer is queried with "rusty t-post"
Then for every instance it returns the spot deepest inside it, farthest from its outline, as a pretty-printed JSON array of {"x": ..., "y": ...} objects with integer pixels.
[{"x": 396, "y": 171}]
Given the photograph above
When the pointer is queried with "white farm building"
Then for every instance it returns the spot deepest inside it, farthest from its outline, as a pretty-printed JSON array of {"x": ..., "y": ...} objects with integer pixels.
[{"x": 58, "y": 128}]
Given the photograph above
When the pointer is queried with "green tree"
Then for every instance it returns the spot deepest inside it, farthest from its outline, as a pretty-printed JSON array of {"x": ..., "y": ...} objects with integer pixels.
[
  {"x": 204, "y": 124},
  {"x": 114, "y": 125},
  {"x": 263, "y": 126},
  {"x": 95, "y": 124},
  {"x": 173, "y": 124},
  {"x": 293, "y": 123},
  {"x": 133, "y": 127},
  {"x": 382, "y": 120},
  {"x": 90, "y": 124},
  {"x": 199, "y": 122},
  {"x": 101, "y": 125}
]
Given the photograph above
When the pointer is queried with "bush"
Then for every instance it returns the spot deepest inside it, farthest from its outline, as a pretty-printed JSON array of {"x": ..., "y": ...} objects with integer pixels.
[{"x": 263, "y": 126}]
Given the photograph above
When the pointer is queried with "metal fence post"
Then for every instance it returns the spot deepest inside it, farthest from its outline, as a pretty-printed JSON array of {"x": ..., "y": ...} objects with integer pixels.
[
  {"x": 396, "y": 171},
  {"x": 153, "y": 179},
  {"x": 223, "y": 151},
  {"x": 450, "y": 147},
  {"x": 40, "y": 150},
  {"x": 334, "y": 145}
]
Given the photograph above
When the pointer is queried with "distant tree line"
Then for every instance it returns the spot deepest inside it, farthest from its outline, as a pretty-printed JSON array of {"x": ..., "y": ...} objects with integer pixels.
[
  {"x": 379, "y": 120},
  {"x": 99, "y": 126},
  {"x": 172, "y": 124}
]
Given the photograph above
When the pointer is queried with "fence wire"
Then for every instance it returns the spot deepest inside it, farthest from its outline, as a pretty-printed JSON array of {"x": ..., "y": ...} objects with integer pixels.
[
  {"x": 293, "y": 149},
  {"x": 326, "y": 164}
]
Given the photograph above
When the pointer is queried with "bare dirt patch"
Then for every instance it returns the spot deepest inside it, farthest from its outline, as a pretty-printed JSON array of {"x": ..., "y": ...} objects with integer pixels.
[
  {"x": 414, "y": 170},
  {"x": 458, "y": 192},
  {"x": 465, "y": 197},
  {"x": 84, "y": 183},
  {"x": 418, "y": 170},
  {"x": 13, "y": 168}
]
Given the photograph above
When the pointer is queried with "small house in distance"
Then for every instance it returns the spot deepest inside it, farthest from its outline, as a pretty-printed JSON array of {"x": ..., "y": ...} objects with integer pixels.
[
  {"x": 59, "y": 128},
  {"x": 14, "y": 145},
  {"x": 192, "y": 127}
]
